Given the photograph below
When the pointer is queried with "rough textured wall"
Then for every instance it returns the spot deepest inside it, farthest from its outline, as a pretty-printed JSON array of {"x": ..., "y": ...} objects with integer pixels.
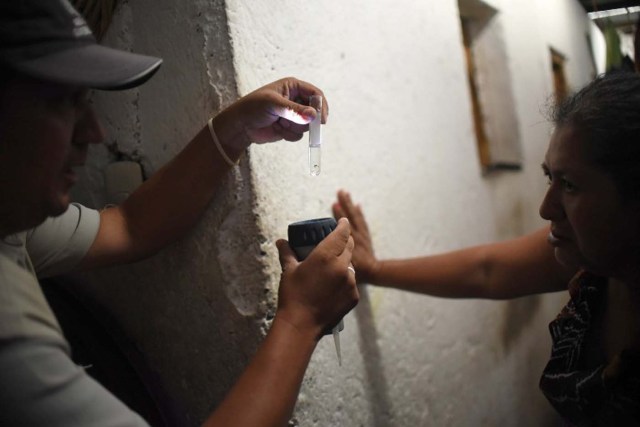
[
  {"x": 400, "y": 137},
  {"x": 195, "y": 311}
]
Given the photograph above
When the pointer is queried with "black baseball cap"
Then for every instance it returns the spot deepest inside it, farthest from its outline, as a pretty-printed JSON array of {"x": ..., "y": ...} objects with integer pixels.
[{"x": 49, "y": 40}]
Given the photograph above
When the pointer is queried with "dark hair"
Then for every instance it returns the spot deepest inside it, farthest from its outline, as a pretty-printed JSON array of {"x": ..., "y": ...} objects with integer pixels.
[{"x": 606, "y": 113}]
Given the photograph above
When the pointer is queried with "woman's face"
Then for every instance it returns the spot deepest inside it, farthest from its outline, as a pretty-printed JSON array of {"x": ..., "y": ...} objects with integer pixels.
[
  {"x": 45, "y": 130},
  {"x": 592, "y": 227}
]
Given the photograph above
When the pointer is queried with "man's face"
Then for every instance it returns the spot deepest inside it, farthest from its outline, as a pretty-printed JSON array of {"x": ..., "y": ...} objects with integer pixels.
[{"x": 45, "y": 131}]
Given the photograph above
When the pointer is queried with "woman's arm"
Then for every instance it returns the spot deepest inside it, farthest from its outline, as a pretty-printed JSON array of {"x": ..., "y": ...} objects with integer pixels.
[{"x": 503, "y": 270}]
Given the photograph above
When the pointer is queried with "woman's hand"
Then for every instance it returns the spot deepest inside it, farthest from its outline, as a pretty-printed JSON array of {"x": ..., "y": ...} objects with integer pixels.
[
  {"x": 279, "y": 110},
  {"x": 364, "y": 260},
  {"x": 317, "y": 292}
]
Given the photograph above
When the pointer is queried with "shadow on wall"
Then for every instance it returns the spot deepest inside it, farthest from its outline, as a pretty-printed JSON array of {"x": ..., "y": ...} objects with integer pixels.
[
  {"x": 519, "y": 315},
  {"x": 377, "y": 389}
]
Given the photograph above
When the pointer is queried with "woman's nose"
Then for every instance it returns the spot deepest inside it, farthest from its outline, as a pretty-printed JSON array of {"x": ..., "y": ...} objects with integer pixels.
[{"x": 551, "y": 207}]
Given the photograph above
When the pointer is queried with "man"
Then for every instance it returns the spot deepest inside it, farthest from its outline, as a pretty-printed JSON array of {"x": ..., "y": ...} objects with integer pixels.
[{"x": 48, "y": 61}]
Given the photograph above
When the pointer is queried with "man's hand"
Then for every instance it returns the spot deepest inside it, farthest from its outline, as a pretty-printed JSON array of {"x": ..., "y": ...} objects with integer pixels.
[
  {"x": 317, "y": 292},
  {"x": 279, "y": 110}
]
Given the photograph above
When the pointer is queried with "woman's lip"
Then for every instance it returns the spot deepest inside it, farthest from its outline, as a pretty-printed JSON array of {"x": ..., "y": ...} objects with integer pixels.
[{"x": 554, "y": 239}]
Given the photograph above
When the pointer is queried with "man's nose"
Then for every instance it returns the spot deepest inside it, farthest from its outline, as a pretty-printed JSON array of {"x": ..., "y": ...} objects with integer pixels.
[{"x": 88, "y": 129}]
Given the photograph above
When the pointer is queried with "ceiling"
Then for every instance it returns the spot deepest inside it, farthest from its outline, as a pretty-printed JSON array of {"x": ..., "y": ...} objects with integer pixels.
[
  {"x": 624, "y": 22},
  {"x": 601, "y": 5}
]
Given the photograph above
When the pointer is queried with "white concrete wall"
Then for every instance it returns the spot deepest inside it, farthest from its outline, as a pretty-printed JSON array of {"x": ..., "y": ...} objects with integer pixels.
[
  {"x": 599, "y": 48},
  {"x": 400, "y": 138}
]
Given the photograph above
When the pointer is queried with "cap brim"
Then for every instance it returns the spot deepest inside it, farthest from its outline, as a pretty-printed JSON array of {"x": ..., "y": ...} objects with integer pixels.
[{"x": 93, "y": 66}]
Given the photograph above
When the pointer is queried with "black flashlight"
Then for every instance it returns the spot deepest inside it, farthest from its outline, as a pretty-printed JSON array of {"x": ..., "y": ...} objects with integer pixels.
[{"x": 305, "y": 235}]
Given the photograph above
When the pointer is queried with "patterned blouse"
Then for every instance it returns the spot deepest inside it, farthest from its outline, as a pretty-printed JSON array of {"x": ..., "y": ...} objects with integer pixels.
[{"x": 589, "y": 394}]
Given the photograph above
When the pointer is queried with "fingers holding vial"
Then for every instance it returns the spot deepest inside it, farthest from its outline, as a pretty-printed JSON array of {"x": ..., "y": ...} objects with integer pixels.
[{"x": 315, "y": 136}]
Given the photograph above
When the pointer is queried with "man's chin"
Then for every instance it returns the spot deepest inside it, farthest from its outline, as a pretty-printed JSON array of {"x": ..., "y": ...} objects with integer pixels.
[
  {"x": 27, "y": 216},
  {"x": 60, "y": 206}
]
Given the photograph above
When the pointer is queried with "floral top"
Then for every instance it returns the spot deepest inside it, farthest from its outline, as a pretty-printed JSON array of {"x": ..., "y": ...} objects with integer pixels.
[{"x": 585, "y": 394}]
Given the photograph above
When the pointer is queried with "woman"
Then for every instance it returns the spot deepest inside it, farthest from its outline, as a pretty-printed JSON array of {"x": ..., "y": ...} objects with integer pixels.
[{"x": 592, "y": 246}]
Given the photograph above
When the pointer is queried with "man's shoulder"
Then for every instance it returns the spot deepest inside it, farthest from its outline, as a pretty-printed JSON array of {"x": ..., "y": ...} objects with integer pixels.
[
  {"x": 58, "y": 244},
  {"x": 24, "y": 311}
]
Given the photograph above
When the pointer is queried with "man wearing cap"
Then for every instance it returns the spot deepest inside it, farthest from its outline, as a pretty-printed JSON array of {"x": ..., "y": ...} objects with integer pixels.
[{"x": 48, "y": 61}]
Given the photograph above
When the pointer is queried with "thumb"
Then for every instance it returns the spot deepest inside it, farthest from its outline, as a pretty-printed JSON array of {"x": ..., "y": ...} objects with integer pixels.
[
  {"x": 297, "y": 113},
  {"x": 337, "y": 240},
  {"x": 287, "y": 256}
]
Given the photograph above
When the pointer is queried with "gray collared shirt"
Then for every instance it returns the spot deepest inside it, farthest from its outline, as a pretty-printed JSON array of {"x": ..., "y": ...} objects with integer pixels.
[{"x": 39, "y": 383}]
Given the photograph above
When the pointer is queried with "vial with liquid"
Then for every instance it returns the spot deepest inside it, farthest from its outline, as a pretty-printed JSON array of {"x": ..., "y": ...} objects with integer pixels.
[
  {"x": 315, "y": 136},
  {"x": 314, "y": 160}
]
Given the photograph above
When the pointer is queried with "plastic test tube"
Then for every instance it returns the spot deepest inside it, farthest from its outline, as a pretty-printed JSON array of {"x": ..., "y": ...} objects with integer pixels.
[
  {"x": 315, "y": 136},
  {"x": 336, "y": 340}
]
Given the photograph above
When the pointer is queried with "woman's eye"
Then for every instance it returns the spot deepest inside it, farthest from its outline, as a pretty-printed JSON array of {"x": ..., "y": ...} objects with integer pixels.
[
  {"x": 568, "y": 186},
  {"x": 548, "y": 177}
]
